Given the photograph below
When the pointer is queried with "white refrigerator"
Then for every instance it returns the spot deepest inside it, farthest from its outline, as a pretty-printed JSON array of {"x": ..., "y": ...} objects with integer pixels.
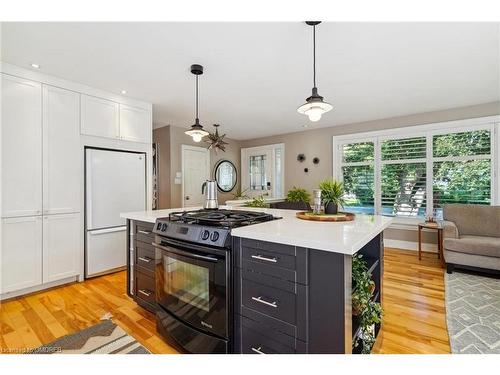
[{"x": 115, "y": 182}]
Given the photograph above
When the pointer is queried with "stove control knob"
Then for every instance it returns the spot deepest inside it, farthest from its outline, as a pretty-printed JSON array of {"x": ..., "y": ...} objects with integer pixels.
[
  {"x": 215, "y": 236},
  {"x": 163, "y": 227},
  {"x": 205, "y": 235}
]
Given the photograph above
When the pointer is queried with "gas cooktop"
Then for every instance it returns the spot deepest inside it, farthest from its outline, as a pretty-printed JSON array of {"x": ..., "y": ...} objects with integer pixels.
[
  {"x": 220, "y": 218},
  {"x": 208, "y": 227}
]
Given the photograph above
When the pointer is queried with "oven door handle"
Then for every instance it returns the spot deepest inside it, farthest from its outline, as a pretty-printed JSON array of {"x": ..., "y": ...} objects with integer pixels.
[{"x": 186, "y": 254}]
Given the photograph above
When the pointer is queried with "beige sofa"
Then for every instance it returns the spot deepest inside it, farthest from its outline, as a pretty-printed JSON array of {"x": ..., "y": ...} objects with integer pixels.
[{"x": 471, "y": 236}]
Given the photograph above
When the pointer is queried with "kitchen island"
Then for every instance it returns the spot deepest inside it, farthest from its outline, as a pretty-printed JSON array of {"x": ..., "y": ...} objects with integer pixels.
[{"x": 292, "y": 282}]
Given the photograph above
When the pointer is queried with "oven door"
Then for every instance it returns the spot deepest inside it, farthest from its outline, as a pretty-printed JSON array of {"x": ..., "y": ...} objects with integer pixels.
[{"x": 191, "y": 284}]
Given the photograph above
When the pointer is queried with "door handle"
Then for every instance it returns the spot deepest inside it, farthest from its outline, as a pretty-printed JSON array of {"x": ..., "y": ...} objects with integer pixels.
[
  {"x": 258, "y": 350},
  {"x": 145, "y": 259},
  {"x": 143, "y": 232},
  {"x": 262, "y": 257},
  {"x": 263, "y": 301}
]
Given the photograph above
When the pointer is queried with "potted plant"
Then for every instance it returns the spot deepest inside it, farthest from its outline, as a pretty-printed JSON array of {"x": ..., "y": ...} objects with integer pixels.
[
  {"x": 332, "y": 195},
  {"x": 364, "y": 307},
  {"x": 257, "y": 202},
  {"x": 239, "y": 194},
  {"x": 296, "y": 199}
]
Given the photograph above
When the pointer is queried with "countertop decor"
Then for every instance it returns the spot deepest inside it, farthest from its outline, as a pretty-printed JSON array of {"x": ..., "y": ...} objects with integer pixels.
[{"x": 340, "y": 216}]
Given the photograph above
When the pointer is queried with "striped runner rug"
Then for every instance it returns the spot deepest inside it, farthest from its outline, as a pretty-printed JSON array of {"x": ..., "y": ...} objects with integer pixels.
[{"x": 102, "y": 338}]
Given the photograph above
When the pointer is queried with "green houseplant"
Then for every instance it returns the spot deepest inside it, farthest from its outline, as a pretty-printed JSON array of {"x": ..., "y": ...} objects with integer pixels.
[
  {"x": 298, "y": 195},
  {"x": 257, "y": 202},
  {"x": 364, "y": 307},
  {"x": 332, "y": 195}
]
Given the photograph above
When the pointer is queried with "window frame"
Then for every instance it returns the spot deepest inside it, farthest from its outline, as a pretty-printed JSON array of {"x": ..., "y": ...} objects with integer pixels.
[{"x": 491, "y": 123}]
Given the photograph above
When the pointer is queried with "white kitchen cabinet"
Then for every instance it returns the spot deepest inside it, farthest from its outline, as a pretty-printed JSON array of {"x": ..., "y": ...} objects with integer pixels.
[
  {"x": 135, "y": 124},
  {"x": 21, "y": 253},
  {"x": 100, "y": 117},
  {"x": 61, "y": 246},
  {"x": 21, "y": 147},
  {"x": 62, "y": 174}
]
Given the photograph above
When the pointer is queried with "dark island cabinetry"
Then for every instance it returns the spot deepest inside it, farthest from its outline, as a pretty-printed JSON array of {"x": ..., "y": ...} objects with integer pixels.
[
  {"x": 141, "y": 283},
  {"x": 292, "y": 299}
]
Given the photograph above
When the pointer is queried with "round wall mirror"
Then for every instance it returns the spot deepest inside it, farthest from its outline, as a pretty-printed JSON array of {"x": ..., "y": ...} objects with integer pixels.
[{"x": 225, "y": 175}]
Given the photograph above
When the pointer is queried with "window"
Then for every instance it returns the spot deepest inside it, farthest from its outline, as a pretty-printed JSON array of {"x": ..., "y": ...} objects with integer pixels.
[{"x": 413, "y": 172}]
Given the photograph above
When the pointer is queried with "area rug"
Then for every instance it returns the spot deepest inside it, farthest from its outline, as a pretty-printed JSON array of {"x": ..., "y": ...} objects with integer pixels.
[
  {"x": 103, "y": 338},
  {"x": 473, "y": 313}
]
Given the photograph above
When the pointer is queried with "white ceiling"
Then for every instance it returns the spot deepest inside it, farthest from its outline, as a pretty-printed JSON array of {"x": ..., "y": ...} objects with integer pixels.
[{"x": 257, "y": 74}]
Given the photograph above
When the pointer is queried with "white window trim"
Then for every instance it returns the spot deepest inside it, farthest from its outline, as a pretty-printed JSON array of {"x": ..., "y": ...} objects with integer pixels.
[{"x": 491, "y": 123}]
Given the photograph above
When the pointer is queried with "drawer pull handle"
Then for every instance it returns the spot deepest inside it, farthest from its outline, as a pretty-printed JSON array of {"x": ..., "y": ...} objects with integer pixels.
[
  {"x": 258, "y": 350},
  {"x": 263, "y": 301},
  {"x": 143, "y": 232},
  {"x": 261, "y": 257},
  {"x": 145, "y": 259},
  {"x": 145, "y": 292}
]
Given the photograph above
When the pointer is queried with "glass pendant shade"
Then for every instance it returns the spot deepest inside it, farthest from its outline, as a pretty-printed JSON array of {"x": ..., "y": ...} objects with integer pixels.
[
  {"x": 196, "y": 131},
  {"x": 314, "y": 107}
]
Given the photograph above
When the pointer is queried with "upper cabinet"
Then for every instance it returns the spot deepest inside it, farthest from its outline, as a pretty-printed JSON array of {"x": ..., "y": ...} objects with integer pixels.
[
  {"x": 135, "y": 124},
  {"x": 100, "y": 117},
  {"x": 105, "y": 118},
  {"x": 61, "y": 151},
  {"x": 21, "y": 147}
]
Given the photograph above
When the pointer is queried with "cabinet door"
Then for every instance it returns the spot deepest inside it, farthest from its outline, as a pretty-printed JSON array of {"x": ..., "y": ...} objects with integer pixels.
[
  {"x": 21, "y": 253},
  {"x": 61, "y": 246},
  {"x": 135, "y": 124},
  {"x": 21, "y": 147},
  {"x": 61, "y": 150},
  {"x": 100, "y": 117}
]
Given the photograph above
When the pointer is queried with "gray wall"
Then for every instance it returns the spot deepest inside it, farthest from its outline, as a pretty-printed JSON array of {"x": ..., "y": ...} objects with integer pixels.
[
  {"x": 170, "y": 140},
  {"x": 319, "y": 143}
]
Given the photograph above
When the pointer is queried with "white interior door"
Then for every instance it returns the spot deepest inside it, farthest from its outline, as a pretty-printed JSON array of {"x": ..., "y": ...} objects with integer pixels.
[
  {"x": 195, "y": 171},
  {"x": 262, "y": 170},
  {"x": 115, "y": 183}
]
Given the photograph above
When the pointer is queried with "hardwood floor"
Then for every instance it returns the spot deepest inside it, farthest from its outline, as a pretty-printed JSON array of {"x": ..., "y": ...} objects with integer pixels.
[
  {"x": 414, "y": 320},
  {"x": 413, "y": 300},
  {"x": 31, "y": 321}
]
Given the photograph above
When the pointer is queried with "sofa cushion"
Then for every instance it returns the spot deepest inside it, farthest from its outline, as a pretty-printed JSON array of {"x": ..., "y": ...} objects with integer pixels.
[
  {"x": 474, "y": 219},
  {"x": 478, "y": 245}
]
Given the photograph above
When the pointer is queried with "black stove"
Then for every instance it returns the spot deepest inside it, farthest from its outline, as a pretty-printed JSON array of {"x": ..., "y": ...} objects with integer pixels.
[
  {"x": 194, "y": 281},
  {"x": 207, "y": 227}
]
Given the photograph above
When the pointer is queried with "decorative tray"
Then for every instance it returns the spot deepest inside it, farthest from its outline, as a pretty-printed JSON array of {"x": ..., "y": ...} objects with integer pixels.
[{"x": 341, "y": 216}]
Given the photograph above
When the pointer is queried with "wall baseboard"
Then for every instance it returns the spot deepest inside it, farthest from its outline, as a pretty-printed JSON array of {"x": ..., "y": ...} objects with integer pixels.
[
  {"x": 38, "y": 288},
  {"x": 410, "y": 245}
]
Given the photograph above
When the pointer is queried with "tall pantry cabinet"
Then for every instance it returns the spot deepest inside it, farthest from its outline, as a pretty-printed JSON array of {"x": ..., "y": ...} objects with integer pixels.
[{"x": 40, "y": 184}]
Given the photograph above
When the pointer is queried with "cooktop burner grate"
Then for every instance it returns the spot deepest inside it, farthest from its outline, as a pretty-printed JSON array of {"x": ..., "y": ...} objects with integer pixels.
[{"x": 220, "y": 218}]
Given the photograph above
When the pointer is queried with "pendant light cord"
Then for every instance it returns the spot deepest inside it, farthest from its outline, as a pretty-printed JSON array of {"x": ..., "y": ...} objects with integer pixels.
[
  {"x": 196, "y": 96},
  {"x": 314, "y": 55}
]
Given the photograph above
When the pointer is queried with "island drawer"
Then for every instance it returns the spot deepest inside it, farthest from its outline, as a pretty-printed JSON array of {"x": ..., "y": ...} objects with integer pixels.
[
  {"x": 144, "y": 232},
  {"x": 276, "y": 260},
  {"x": 255, "y": 338},
  {"x": 277, "y": 303},
  {"x": 145, "y": 287},
  {"x": 145, "y": 257}
]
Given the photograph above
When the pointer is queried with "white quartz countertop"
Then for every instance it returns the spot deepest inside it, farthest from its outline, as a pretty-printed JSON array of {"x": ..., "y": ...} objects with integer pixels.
[{"x": 338, "y": 237}]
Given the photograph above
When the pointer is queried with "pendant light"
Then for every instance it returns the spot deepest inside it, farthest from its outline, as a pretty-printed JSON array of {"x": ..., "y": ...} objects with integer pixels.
[
  {"x": 196, "y": 130},
  {"x": 314, "y": 107}
]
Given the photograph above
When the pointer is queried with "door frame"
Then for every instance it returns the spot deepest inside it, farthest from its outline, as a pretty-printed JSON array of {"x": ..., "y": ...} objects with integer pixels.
[
  {"x": 198, "y": 149},
  {"x": 269, "y": 148}
]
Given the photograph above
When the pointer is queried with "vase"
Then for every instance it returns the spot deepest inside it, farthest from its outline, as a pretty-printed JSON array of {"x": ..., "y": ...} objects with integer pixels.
[{"x": 331, "y": 208}]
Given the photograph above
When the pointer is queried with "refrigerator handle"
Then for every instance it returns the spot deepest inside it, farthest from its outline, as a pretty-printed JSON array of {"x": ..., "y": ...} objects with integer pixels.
[{"x": 108, "y": 230}]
